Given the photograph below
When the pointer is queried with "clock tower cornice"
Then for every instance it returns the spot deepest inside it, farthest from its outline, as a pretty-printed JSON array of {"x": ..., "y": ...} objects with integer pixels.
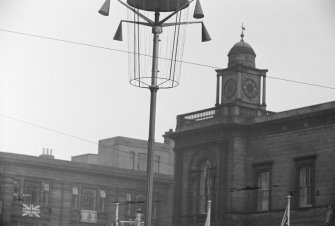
[{"x": 244, "y": 69}]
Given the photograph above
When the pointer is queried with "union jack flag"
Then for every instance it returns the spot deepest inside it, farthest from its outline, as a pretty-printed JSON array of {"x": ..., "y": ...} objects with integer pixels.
[
  {"x": 285, "y": 217},
  {"x": 30, "y": 210}
]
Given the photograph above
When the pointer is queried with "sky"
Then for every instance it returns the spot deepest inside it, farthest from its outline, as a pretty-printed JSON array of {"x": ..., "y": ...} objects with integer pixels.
[{"x": 67, "y": 96}]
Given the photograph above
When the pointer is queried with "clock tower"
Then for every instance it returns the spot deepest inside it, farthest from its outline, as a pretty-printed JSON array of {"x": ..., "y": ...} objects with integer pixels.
[{"x": 241, "y": 86}]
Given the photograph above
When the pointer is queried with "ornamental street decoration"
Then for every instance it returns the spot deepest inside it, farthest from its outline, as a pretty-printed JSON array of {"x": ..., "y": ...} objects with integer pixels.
[
  {"x": 29, "y": 210},
  {"x": 89, "y": 216}
]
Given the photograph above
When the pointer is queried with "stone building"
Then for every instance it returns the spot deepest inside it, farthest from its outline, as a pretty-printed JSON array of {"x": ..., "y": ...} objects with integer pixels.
[
  {"x": 247, "y": 160},
  {"x": 43, "y": 191},
  {"x": 130, "y": 153}
]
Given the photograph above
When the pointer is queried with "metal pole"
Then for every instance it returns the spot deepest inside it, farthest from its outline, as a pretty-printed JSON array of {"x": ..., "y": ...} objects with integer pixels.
[
  {"x": 208, "y": 218},
  {"x": 117, "y": 214},
  {"x": 156, "y": 30},
  {"x": 288, "y": 210}
]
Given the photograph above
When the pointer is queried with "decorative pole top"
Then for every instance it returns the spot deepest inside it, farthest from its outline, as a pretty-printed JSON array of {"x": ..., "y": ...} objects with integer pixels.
[{"x": 242, "y": 34}]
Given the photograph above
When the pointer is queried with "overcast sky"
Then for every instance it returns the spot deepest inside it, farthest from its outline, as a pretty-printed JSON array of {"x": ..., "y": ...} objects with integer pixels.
[{"x": 49, "y": 86}]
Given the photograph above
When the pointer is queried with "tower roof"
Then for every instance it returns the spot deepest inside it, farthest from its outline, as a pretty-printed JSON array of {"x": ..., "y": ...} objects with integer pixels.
[
  {"x": 241, "y": 47},
  {"x": 241, "y": 53}
]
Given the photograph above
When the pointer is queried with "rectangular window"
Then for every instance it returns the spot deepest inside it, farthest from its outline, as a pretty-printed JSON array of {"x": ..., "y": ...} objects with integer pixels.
[
  {"x": 305, "y": 186},
  {"x": 142, "y": 162},
  {"x": 102, "y": 198},
  {"x": 17, "y": 191},
  {"x": 129, "y": 204},
  {"x": 263, "y": 184},
  {"x": 154, "y": 207},
  {"x": 46, "y": 189},
  {"x": 263, "y": 179},
  {"x": 75, "y": 197},
  {"x": 88, "y": 199},
  {"x": 305, "y": 180},
  {"x": 132, "y": 160},
  {"x": 156, "y": 163}
]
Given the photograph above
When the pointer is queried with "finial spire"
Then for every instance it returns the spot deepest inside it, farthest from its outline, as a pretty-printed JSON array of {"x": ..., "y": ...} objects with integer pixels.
[{"x": 242, "y": 34}]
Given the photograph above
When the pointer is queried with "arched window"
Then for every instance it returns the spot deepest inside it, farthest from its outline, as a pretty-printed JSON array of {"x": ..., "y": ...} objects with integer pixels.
[
  {"x": 140, "y": 200},
  {"x": 88, "y": 200},
  {"x": 205, "y": 187}
]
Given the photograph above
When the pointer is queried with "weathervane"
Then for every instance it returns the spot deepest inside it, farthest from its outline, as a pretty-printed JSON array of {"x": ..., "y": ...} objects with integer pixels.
[{"x": 242, "y": 34}]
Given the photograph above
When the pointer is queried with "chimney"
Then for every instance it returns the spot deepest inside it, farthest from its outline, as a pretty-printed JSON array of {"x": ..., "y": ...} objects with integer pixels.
[
  {"x": 167, "y": 139},
  {"x": 47, "y": 154}
]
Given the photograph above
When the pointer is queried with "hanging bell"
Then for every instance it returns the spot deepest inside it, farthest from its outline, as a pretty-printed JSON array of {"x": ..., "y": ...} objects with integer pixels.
[
  {"x": 118, "y": 33},
  {"x": 204, "y": 34},
  {"x": 198, "y": 13},
  {"x": 104, "y": 10}
]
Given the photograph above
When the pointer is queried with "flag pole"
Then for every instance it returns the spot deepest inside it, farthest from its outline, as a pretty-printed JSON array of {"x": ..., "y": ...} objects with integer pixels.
[
  {"x": 117, "y": 213},
  {"x": 208, "y": 218},
  {"x": 288, "y": 209}
]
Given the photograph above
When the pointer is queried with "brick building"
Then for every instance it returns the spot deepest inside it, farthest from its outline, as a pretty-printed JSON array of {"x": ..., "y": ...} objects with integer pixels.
[
  {"x": 43, "y": 191},
  {"x": 247, "y": 159}
]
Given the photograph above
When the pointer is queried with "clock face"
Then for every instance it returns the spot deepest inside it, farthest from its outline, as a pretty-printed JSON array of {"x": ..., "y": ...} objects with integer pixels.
[
  {"x": 230, "y": 88},
  {"x": 250, "y": 88}
]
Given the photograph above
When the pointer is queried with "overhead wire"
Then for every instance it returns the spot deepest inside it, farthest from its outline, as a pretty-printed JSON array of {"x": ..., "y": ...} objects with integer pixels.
[
  {"x": 181, "y": 61},
  {"x": 123, "y": 51},
  {"x": 118, "y": 50},
  {"x": 87, "y": 140},
  {"x": 73, "y": 136},
  {"x": 159, "y": 189}
]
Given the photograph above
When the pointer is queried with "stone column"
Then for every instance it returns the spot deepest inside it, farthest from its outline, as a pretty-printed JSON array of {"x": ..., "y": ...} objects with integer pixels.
[
  {"x": 7, "y": 201},
  {"x": 179, "y": 193},
  {"x": 238, "y": 89},
  {"x": 217, "y": 90},
  {"x": 264, "y": 91},
  {"x": 222, "y": 90}
]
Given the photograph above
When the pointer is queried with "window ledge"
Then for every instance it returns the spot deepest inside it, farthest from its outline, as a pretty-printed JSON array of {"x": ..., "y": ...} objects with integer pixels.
[
  {"x": 305, "y": 206},
  {"x": 263, "y": 211}
]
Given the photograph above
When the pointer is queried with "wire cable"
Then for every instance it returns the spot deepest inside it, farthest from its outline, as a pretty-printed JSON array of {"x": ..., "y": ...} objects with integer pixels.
[
  {"x": 73, "y": 136},
  {"x": 124, "y": 51}
]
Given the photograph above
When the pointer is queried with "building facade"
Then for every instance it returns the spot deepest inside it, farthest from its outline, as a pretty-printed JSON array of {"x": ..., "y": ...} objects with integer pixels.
[
  {"x": 247, "y": 160},
  {"x": 42, "y": 191},
  {"x": 130, "y": 153}
]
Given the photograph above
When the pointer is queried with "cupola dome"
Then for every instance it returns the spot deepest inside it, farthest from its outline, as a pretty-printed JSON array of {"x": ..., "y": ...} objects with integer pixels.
[{"x": 241, "y": 53}]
